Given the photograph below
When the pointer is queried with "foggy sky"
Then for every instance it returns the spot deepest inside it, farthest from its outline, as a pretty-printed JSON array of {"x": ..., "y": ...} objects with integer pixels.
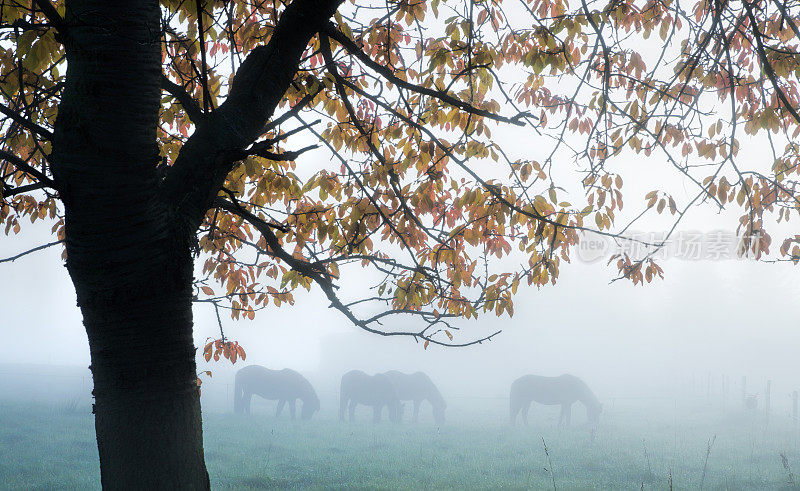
[
  {"x": 727, "y": 316},
  {"x": 735, "y": 317}
]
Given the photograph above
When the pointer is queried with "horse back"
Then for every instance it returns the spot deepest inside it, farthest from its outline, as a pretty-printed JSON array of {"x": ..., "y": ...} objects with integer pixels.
[
  {"x": 366, "y": 389},
  {"x": 272, "y": 384},
  {"x": 564, "y": 389},
  {"x": 410, "y": 385}
]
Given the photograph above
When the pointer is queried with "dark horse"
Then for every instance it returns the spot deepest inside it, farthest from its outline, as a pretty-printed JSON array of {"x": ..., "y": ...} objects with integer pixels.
[
  {"x": 418, "y": 387},
  {"x": 563, "y": 390},
  {"x": 371, "y": 390},
  {"x": 284, "y": 385}
]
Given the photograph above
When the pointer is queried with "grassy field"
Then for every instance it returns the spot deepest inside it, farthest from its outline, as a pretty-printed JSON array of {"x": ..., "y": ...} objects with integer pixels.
[{"x": 52, "y": 447}]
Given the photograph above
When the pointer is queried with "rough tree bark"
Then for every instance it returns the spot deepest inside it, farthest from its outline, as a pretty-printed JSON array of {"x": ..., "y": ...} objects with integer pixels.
[
  {"x": 129, "y": 235},
  {"x": 132, "y": 273}
]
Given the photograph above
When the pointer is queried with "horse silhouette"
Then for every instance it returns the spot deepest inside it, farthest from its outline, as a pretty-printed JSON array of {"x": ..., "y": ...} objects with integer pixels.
[
  {"x": 418, "y": 387},
  {"x": 284, "y": 385},
  {"x": 563, "y": 390},
  {"x": 370, "y": 390}
]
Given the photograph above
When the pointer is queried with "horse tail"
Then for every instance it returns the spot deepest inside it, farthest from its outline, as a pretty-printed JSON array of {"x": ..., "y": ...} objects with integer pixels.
[{"x": 238, "y": 395}]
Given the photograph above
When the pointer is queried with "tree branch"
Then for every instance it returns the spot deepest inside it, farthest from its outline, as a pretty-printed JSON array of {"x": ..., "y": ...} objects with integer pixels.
[
  {"x": 766, "y": 65},
  {"x": 237, "y": 209},
  {"x": 387, "y": 73},
  {"x": 203, "y": 64},
  {"x": 317, "y": 273},
  {"x": 9, "y": 192},
  {"x": 27, "y": 168},
  {"x": 192, "y": 183},
  {"x": 261, "y": 147},
  {"x": 29, "y": 251},
  {"x": 278, "y": 157},
  {"x": 293, "y": 111},
  {"x": 26, "y": 123},
  {"x": 303, "y": 267},
  {"x": 52, "y": 15},
  {"x": 190, "y": 106}
]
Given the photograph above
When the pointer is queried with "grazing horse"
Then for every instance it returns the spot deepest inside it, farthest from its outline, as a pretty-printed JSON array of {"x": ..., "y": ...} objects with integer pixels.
[
  {"x": 418, "y": 387},
  {"x": 370, "y": 390},
  {"x": 563, "y": 390},
  {"x": 284, "y": 385}
]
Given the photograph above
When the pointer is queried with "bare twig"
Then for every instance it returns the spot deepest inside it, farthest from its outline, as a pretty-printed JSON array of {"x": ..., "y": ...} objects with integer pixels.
[
  {"x": 549, "y": 469},
  {"x": 29, "y": 251},
  {"x": 709, "y": 445}
]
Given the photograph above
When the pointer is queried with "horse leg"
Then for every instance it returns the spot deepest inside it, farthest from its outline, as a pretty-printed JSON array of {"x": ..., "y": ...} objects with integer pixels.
[
  {"x": 513, "y": 410},
  {"x": 292, "y": 407},
  {"x": 247, "y": 397},
  {"x": 525, "y": 409},
  {"x": 416, "y": 410},
  {"x": 352, "y": 410},
  {"x": 280, "y": 408}
]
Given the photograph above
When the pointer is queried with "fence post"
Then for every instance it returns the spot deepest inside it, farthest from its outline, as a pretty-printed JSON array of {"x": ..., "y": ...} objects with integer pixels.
[
  {"x": 767, "y": 393},
  {"x": 744, "y": 390},
  {"x": 724, "y": 392}
]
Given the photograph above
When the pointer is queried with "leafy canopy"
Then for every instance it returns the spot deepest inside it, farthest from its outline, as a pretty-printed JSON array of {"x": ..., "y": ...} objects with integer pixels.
[{"x": 454, "y": 149}]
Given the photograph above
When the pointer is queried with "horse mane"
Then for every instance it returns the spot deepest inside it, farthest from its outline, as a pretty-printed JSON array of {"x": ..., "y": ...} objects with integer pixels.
[
  {"x": 311, "y": 395},
  {"x": 587, "y": 397},
  {"x": 308, "y": 392},
  {"x": 434, "y": 396}
]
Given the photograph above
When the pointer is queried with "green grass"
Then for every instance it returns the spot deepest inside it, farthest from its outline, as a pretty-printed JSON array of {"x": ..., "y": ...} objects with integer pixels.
[{"x": 46, "y": 447}]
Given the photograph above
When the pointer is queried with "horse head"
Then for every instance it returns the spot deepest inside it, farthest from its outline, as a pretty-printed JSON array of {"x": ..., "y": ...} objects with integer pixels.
[
  {"x": 310, "y": 406},
  {"x": 437, "y": 402}
]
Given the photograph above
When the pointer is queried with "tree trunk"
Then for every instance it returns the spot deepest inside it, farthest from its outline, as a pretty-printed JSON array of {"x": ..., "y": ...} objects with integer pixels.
[
  {"x": 130, "y": 264},
  {"x": 129, "y": 235},
  {"x": 147, "y": 407}
]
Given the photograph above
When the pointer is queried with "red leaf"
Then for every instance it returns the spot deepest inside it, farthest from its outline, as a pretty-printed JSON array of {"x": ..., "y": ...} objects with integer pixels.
[{"x": 234, "y": 355}]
